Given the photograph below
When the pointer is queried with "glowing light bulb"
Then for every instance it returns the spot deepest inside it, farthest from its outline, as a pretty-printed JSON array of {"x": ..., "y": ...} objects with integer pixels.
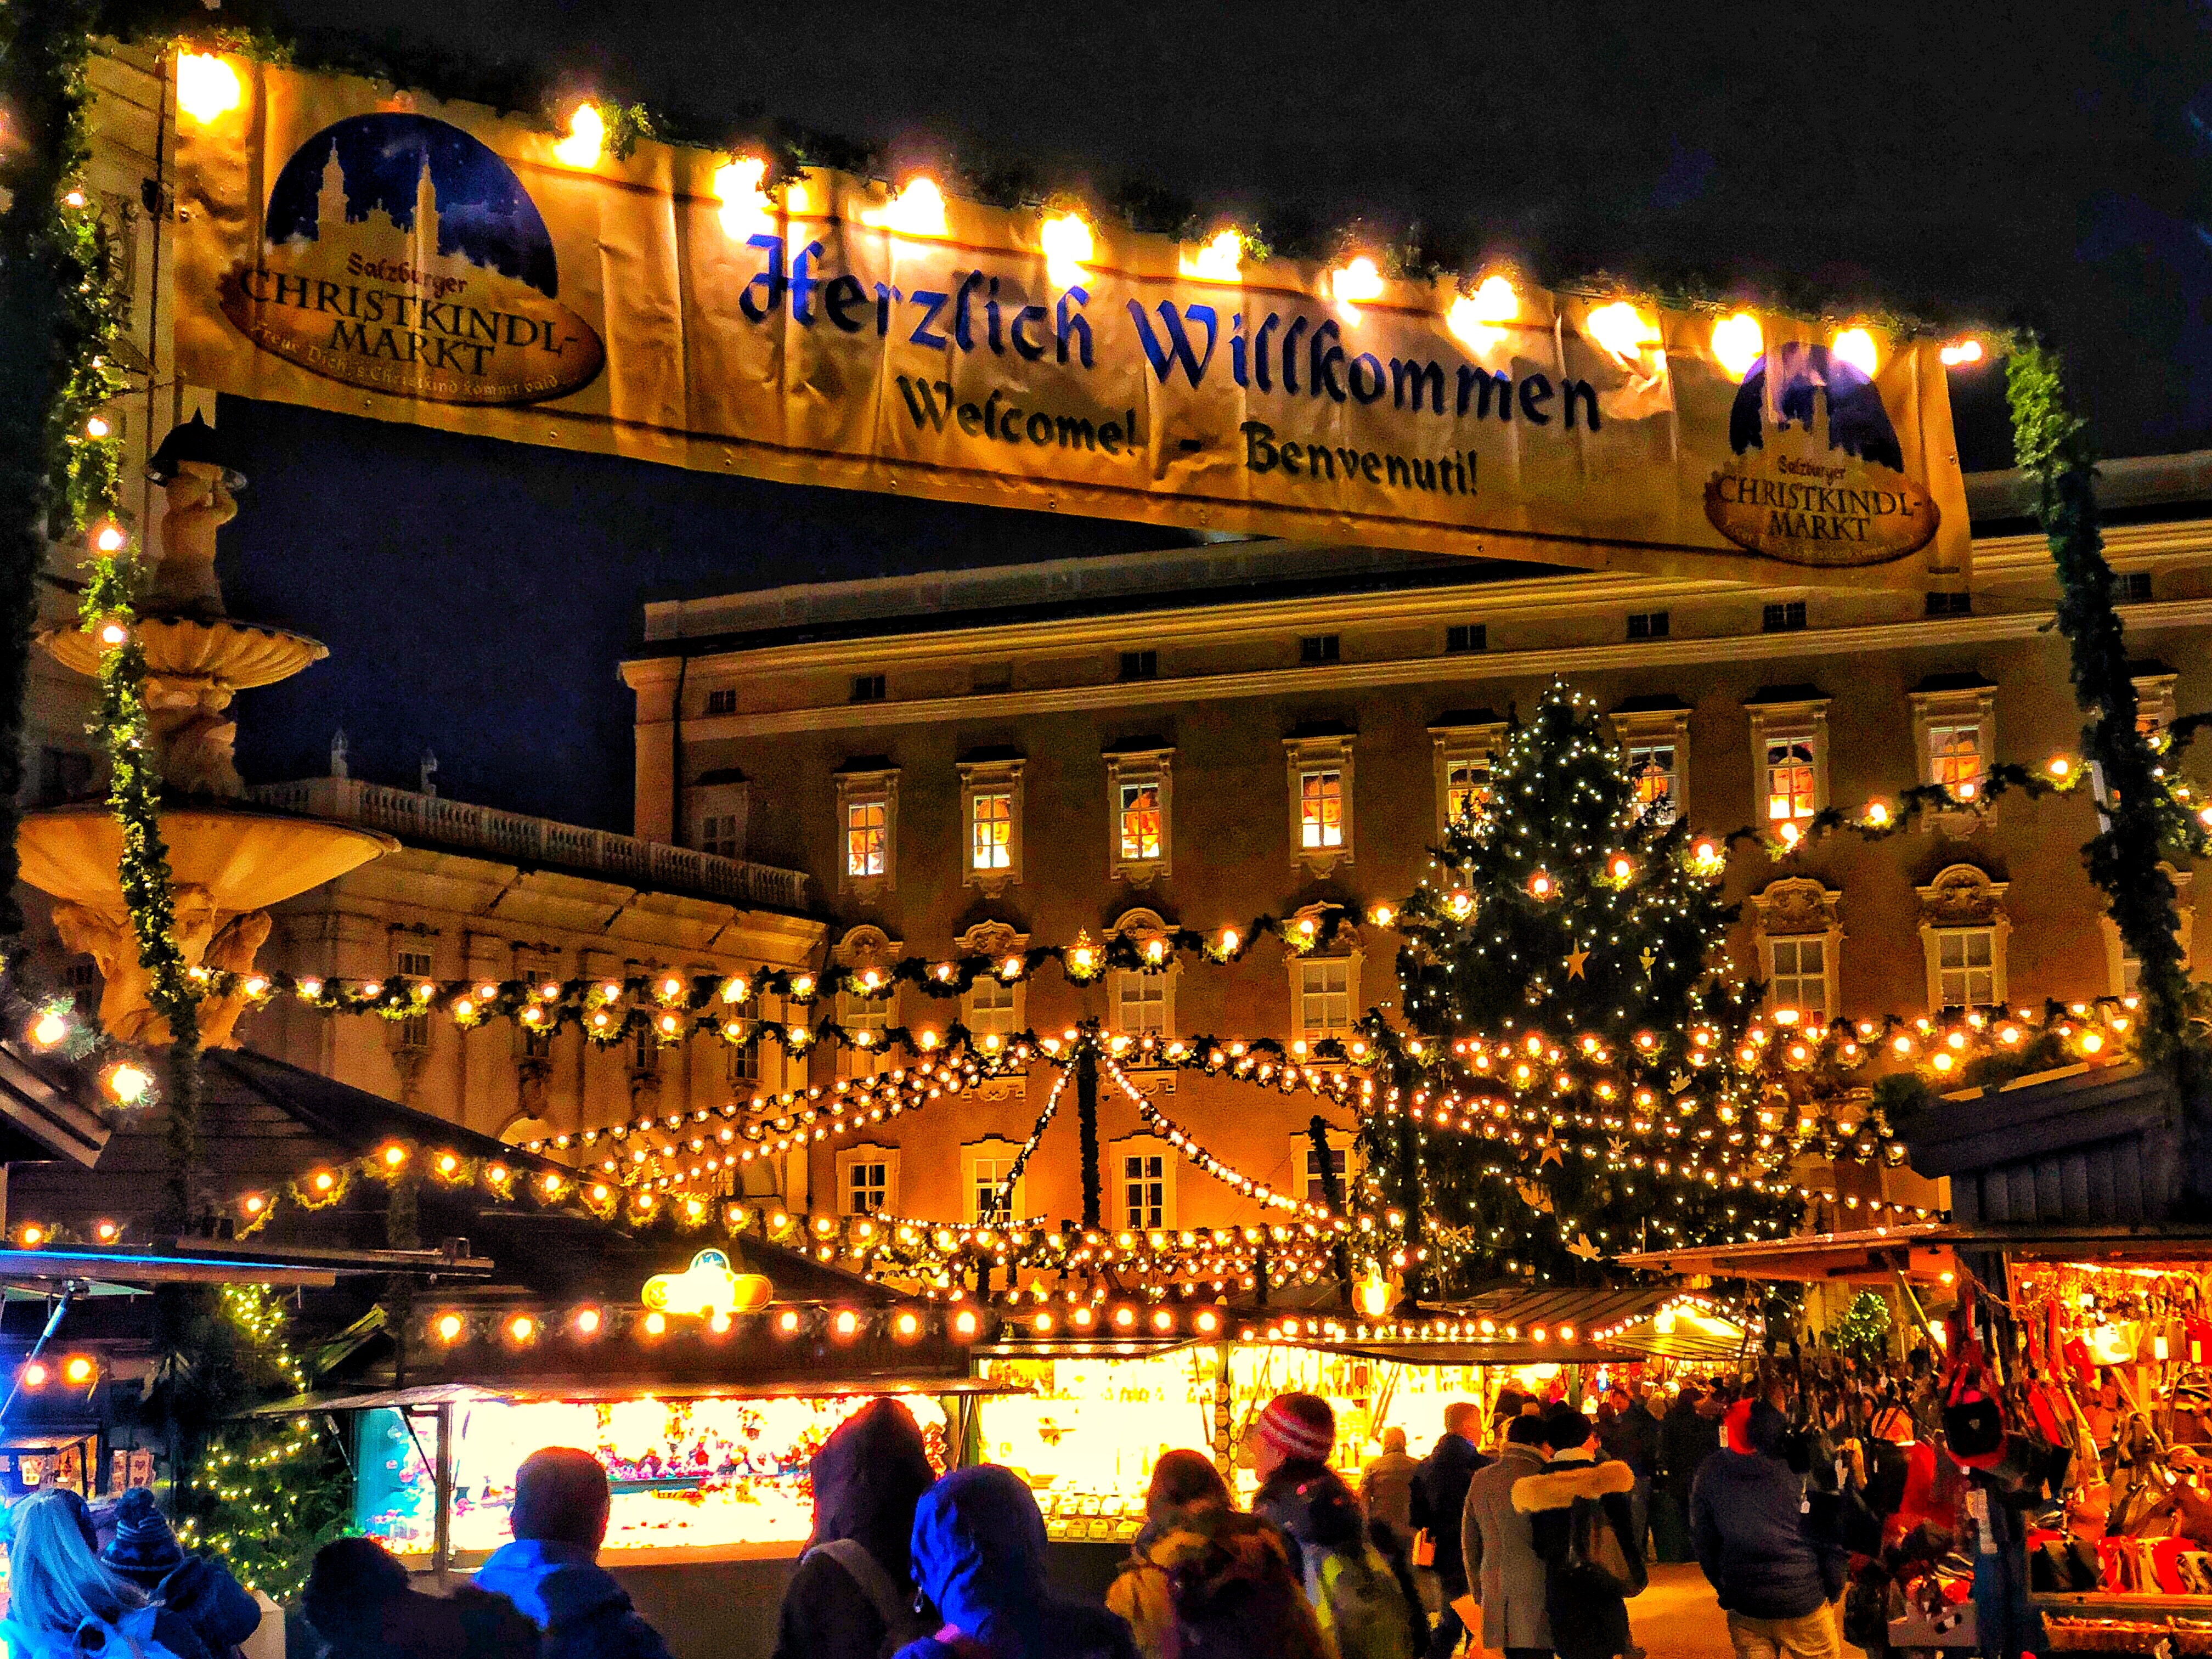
[
  {"x": 1855, "y": 347},
  {"x": 587, "y": 136},
  {"x": 128, "y": 1082},
  {"x": 746, "y": 208},
  {"x": 78, "y": 1370},
  {"x": 1220, "y": 260},
  {"x": 108, "y": 537},
  {"x": 97, "y": 427},
  {"x": 1621, "y": 332},
  {"x": 586, "y": 1322},
  {"x": 1961, "y": 354},
  {"x": 1354, "y": 283},
  {"x": 917, "y": 210},
  {"x": 449, "y": 1326},
  {"x": 1474, "y": 318},
  {"x": 48, "y": 1028},
  {"x": 1068, "y": 246},
  {"x": 207, "y": 86},
  {"x": 1737, "y": 344}
]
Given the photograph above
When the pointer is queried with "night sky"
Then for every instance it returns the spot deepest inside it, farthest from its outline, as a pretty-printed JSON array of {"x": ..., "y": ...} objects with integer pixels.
[{"x": 2050, "y": 164}]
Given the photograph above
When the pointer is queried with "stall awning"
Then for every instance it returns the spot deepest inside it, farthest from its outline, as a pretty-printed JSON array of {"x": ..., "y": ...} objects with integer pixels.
[
  {"x": 432, "y": 1395},
  {"x": 1920, "y": 1250},
  {"x": 193, "y": 1262}
]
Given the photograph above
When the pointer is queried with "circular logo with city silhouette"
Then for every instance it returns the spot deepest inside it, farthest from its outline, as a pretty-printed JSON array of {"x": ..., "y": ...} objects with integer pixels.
[
  {"x": 1819, "y": 475},
  {"x": 402, "y": 255}
]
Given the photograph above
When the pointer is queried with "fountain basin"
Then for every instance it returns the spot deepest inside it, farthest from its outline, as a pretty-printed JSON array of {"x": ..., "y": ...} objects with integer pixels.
[{"x": 233, "y": 656}]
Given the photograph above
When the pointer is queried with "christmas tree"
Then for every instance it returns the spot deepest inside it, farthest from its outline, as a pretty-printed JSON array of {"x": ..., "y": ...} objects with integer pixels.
[{"x": 1581, "y": 1077}]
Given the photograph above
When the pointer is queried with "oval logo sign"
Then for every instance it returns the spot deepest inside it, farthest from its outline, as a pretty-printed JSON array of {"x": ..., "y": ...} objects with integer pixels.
[
  {"x": 402, "y": 255},
  {"x": 1818, "y": 476}
]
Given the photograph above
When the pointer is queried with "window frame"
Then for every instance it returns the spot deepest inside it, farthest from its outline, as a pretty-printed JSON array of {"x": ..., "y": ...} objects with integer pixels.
[
  {"x": 995, "y": 940},
  {"x": 1952, "y": 710},
  {"x": 2117, "y": 959},
  {"x": 1962, "y": 899},
  {"x": 867, "y": 1153},
  {"x": 1798, "y": 910},
  {"x": 1300, "y": 967},
  {"x": 999, "y": 1150},
  {"x": 1656, "y": 625},
  {"x": 877, "y": 785},
  {"x": 1456, "y": 744},
  {"x": 413, "y": 958},
  {"x": 1143, "y": 1146},
  {"x": 1798, "y": 720},
  {"x": 1323, "y": 755},
  {"x": 982, "y": 780},
  {"x": 1137, "y": 769},
  {"x": 1651, "y": 728},
  {"x": 1304, "y": 1179}
]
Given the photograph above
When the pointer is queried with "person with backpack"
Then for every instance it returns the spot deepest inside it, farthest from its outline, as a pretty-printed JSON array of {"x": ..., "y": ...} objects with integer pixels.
[
  {"x": 1505, "y": 1574},
  {"x": 1756, "y": 1544},
  {"x": 1439, "y": 1503},
  {"x": 1581, "y": 1524},
  {"x": 1205, "y": 1580},
  {"x": 358, "y": 1604},
  {"x": 551, "y": 1571},
  {"x": 202, "y": 1593},
  {"x": 979, "y": 1555},
  {"x": 852, "y": 1597},
  {"x": 62, "y": 1603},
  {"x": 1363, "y": 1600}
]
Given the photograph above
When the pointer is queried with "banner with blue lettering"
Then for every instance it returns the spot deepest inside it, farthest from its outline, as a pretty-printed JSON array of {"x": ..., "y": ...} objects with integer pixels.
[{"x": 382, "y": 255}]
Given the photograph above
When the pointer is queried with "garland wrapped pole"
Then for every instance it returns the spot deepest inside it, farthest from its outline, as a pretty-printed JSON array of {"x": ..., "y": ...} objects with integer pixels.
[
  {"x": 1332, "y": 1195},
  {"x": 1086, "y": 1122}
]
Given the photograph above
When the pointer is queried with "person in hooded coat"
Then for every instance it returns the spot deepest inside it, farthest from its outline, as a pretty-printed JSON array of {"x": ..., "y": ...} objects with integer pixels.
[
  {"x": 1204, "y": 1579},
  {"x": 854, "y": 1587},
  {"x": 197, "y": 1590},
  {"x": 978, "y": 1553},
  {"x": 62, "y": 1603},
  {"x": 552, "y": 1571},
  {"x": 1587, "y": 1610}
]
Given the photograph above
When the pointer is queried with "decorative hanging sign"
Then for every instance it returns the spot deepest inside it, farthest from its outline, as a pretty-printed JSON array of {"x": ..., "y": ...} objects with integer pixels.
[
  {"x": 380, "y": 255},
  {"x": 709, "y": 1286}
]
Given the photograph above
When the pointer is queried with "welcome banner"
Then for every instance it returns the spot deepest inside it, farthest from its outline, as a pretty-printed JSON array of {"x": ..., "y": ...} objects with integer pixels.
[{"x": 380, "y": 255}]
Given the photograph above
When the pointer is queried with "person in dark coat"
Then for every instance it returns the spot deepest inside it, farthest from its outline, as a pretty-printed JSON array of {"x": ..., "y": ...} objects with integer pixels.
[
  {"x": 1631, "y": 1435},
  {"x": 1774, "y": 1577},
  {"x": 551, "y": 1571},
  {"x": 1439, "y": 1501},
  {"x": 1687, "y": 1437},
  {"x": 359, "y": 1603},
  {"x": 1587, "y": 1611},
  {"x": 200, "y": 1591},
  {"x": 63, "y": 1602},
  {"x": 978, "y": 1553},
  {"x": 855, "y": 1586}
]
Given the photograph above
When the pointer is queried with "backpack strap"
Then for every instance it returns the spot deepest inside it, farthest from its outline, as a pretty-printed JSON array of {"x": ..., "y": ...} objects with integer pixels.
[{"x": 864, "y": 1569}]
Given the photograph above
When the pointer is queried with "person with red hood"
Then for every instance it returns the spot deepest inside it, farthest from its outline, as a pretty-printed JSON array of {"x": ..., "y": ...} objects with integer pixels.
[
  {"x": 853, "y": 1590},
  {"x": 1753, "y": 1530}
]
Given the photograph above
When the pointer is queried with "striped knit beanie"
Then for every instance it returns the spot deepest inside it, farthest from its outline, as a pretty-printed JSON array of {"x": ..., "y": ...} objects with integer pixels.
[{"x": 1298, "y": 1426}]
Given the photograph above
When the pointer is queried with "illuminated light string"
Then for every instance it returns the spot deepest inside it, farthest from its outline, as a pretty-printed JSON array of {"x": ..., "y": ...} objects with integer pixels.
[
  {"x": 1184, "y": 1142},
  {"x": 1002, "y": 1200}
]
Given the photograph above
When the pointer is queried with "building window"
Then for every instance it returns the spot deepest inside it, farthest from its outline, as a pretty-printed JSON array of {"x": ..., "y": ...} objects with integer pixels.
[
  {"x": 722, "y": 835},
  {"x": 1797, "y": 975},
  {"x": 1142, "y": 822},
  {"x": 1326, "y": 988},
  {"x": 1784, "y": 618},
  {"x": 1950, "y": 605},
  {"x": 991, "y": 1007},
  {"x": 991, "y": 809},
  {"x": 1648, "y": 624},
  {"x": 867, "y": 819},
  {"x": 1799, "y": 939},
  {"x": 867, "y": 1179},
  {"x": 644, "y": 1051},
  {"x": 1651, "y": 765},
  {"x": 1139, "y": 786},
  {"x": 1955, "y": 726},
  {"x": 1963, "y": 928},
  {"x": 2155, "y": 705},
  {"x": 1141, "y": 665},
  {"x": 741, "y": 1066},
  {"x": 1140, "y": 1003},
  {"x": 2132, "y": 588},
  {"x": 1321, "y": 802},
  {"x": 986, "y": 1165},
  {"x": 1789, "y": 754},
  {"x": 1465, "y": 747},
  {"x": 1320, "y": 648},
  {"x": 1144, "y": 1190},
  {"x": 1467, "y": 789},
  {"x": 2124, "y": 966},
  {"x": 867, "y": 688},
  {"x": 1654, "y": 738},
  {"x": 1308, "y": 1163},
  {"x": 414, "y": 1030},
  {"x": 81, "y": 979},
  {"x": 858, "y": 1014},
  {"x": 722, "y": 701},
  {"x": 1463, "y": 637}
]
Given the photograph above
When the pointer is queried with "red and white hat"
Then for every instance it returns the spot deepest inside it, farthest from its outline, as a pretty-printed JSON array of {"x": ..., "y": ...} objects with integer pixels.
[{"x": 1283, "y": 1425}]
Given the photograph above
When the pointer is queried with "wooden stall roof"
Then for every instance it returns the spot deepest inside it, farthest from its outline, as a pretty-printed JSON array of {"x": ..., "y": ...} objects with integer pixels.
[{"x": 1922, "y": 1251}]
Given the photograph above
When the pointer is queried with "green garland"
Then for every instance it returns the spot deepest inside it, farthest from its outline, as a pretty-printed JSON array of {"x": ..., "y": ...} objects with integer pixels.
[{"x": 2142, "y": 819}]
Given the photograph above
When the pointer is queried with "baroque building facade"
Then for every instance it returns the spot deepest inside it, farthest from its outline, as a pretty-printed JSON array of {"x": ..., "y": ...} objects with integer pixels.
[{"x": 979, "y": 759}]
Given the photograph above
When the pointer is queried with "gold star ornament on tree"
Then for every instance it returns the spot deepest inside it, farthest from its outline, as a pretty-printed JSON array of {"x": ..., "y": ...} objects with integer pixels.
[{"x": 1576, "y": 958}]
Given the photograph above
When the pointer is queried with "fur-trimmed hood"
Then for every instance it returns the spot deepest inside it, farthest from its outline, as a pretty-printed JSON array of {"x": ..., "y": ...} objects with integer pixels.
[{"x": 1560, "y": 1484}]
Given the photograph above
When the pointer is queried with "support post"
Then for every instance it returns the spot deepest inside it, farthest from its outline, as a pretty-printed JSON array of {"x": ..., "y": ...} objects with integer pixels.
[{"x": 1086, "y": 1120}]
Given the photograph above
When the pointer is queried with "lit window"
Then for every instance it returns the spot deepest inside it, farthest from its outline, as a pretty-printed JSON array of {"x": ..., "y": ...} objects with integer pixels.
[
  {"x": 867, "y": 1187},
  {"x": 1141, "y": 823},
  {"x": 867, "y": 838},
  {"x": 1954, "y": 758},
  {"x": 1798, "y": 975},
  {"x": 1320, "y": 809},
  {"x": 1316, "y": 1191},
  {"x": 1966, "y": 966},
  {"x": 1792, "y": 780},
  {"x": 991, "y": 1006},
  {"x": 988, "y": 1176},
  {"x": 991, "y": 827},
  {"x": 1140, "y": 1003},
  {"x": 1325, "y": 998},
  {"x": 1466, "y": 789},
  {"x": 1652, "y": 767},
  {"x": 1144, "y": 1190}
]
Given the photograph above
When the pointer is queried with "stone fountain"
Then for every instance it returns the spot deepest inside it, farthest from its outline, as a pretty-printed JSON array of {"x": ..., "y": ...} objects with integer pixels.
[{"x": 228, "y": 862}]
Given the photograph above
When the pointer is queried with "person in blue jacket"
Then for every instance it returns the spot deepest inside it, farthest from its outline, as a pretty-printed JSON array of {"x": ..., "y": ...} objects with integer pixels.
[
  {"x": 551, "y": 1571},
  {"x": 64, "y": 1604},
  {"x": 978, "y": 1553},
  {"x": 202, "y": 1593}
]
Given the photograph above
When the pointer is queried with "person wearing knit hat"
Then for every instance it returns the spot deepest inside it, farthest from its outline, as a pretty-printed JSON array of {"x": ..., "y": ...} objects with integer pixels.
[
  {"x": 201, "y": 1592},
  {"x": 1365, "y": 1614}
]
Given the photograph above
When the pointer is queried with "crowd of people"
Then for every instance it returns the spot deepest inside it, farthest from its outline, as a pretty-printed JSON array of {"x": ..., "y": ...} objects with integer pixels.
[{"x": 1525, "y": 1531}]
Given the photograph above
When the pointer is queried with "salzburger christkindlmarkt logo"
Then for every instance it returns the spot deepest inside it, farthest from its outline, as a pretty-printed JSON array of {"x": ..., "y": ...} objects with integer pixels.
[
  {"x": 1819, "y": 477},
  {"x": 403, "y": 255}
]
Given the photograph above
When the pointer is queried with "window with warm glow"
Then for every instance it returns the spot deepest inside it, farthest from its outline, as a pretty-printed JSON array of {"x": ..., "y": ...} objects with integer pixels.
[
  {"x": 1792, "y": 781},
  {"x": 743, "y": 1068},
  {"x": 1966, "y": 966},
  {"x": 1954, "y": 758},
  {"x": 988, "y": 1176},
  {"x": 1652, "y": 767},
  {"x": 867, "y": 1187},
  {"x": 1466, "y": 789},
  {"x": 1140, "y": 1003},
  {"x": 1320, "y": 809},
  {"x": 1141, "y": 823},
  {"x": 991, "y": 829},
  {"x": 991, "y": 1006},
  {"x": 1797, "y": 975},
  {"x": 866, "y": 837},
  {"x": 1144, "y": 1190},
  {"x": 1325, "y": 998}
]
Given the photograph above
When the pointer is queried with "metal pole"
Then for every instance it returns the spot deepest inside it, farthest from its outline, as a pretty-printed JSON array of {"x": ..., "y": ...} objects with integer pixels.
[
  {"x": 53, "y": 1323},
  {"x": 441, "y": 1542}
]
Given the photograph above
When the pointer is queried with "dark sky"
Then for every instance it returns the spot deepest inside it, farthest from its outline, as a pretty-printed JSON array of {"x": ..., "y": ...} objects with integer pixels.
[{"x": 2045, "y": 163}]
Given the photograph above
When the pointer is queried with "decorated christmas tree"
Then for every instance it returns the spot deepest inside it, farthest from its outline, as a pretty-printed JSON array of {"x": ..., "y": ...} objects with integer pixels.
[{"x": 1580, "y": 1077}]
